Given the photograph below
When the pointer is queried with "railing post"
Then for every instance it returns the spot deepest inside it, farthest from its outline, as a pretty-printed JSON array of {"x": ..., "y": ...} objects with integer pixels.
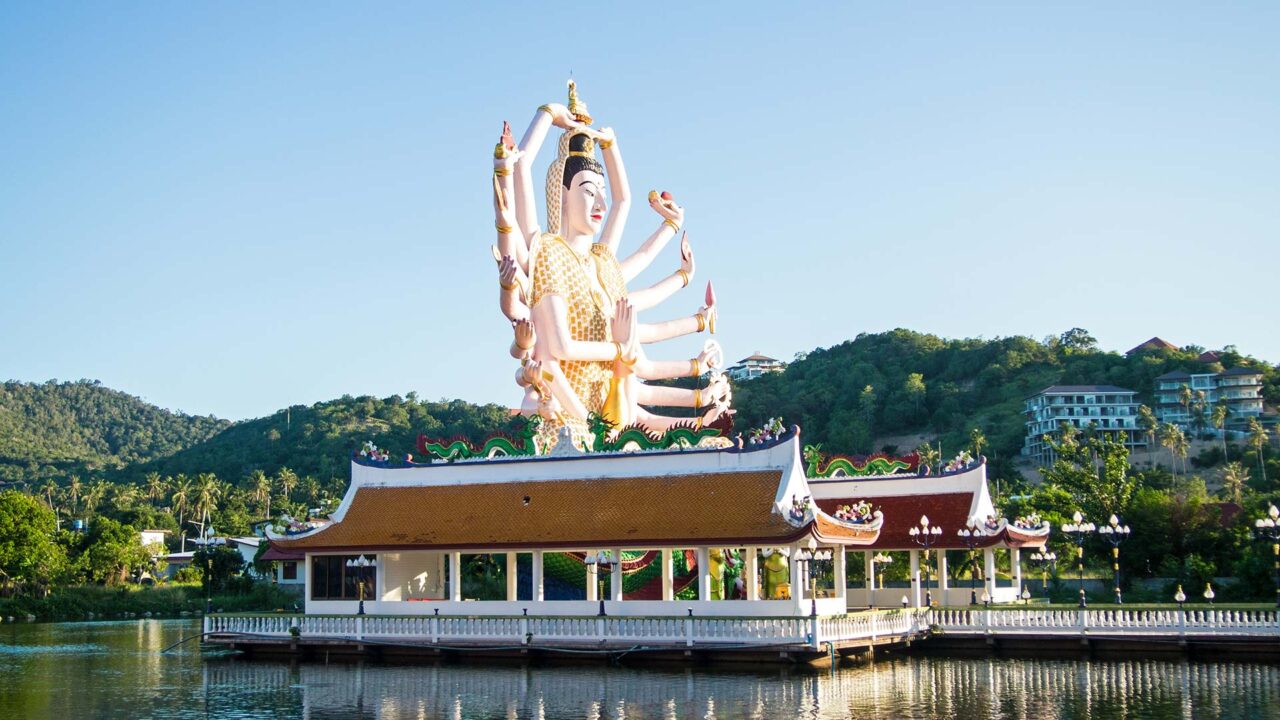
[
  {"x": 600, "y": 629},
  {"x": 524, "y": 628},
  {"x": 688, "y": 630},
  {"x": 435, "y": 627},
  {"x": 204, "y": 625},
  {"x": 359, "y": 627},
  {"x": 813, "y": 632}
]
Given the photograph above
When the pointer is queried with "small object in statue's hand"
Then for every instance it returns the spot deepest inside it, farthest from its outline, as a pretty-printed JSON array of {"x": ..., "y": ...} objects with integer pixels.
[
  {"x": 653, "y": 195},
  {"x": 711, "y": 295},
  {"x": 507, "y": 140},
  {"x": 666, "y": 196}
]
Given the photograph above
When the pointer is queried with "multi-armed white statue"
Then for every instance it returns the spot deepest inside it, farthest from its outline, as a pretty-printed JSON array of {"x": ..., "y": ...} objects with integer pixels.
[{"x": 577, "y": 333}]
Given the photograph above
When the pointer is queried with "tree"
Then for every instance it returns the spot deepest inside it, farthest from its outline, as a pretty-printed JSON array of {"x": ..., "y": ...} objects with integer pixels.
[
  {"x": 181, "y": 499},
  {"x": 1258, "y": 441},
  {"x": 1077, "y": 340},
  {"x": 1181, "y": 444},
  {"x": 287, "y": 480},
  {"x": 112, "y": 552},
  {"x": 1147, "y": 421},
  {"x": 1170, "y": 438},
  {"x": 27, "y": 549},
  {"x": 1219, "y": 420},
  {"x": 74, "y": 488},
  {"x": 1095, "y": 471},
  {"x": 217, "y": 565},
  {"x": 208, "y": 492},
  {"x": 867, "y": 405},
  {"x": 1199, "y": 409},
  {"x": 155, "y": 486},
  {"x": 260, "y": 488},
  {"x": 1184, "y": 399},
  {"x": 977, "y": 440},
  {"x": 929, "y": 457},
  {"x": 1234, "y": 479},
  {"x": 915, "y": 391}
]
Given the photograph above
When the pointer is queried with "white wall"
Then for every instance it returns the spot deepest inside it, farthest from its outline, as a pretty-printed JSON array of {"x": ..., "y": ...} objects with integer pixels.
[{"x": 412, "y": 574}]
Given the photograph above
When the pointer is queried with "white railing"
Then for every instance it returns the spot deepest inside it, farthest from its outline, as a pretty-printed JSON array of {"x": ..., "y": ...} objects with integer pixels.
[
  {"x": 1110, "y": 621},
  {"x": 615, "y": 631}
]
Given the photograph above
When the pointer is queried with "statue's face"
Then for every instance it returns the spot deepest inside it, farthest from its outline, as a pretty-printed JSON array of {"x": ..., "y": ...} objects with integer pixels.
[{"x": 584, "y": 204}]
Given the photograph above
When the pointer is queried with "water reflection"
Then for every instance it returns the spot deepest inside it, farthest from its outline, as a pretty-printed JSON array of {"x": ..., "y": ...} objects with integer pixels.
[
  {"x": 917, "y": 687},
  {"x": 91, "y": 670}
]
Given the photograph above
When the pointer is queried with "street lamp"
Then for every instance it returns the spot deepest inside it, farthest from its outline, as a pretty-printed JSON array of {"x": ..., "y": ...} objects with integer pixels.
[
  {"x": 971, "y": 535},
  {"x": 1047, "y": 561},
  {"x": 926, "y": 537},
  {"x": 1078, "y": 530},
  {"x": 1268, "y": 529},
  {"x": 880, "y": 560},
  {"x": 208, "y": 582},
  {"x": 1026, "y": 595},
  {"x": 362, "y": 566},
  {"x": 602, "y": 560},
  {"x": 1115, "y": 534},
  {"x": 1208, "y": 592}
]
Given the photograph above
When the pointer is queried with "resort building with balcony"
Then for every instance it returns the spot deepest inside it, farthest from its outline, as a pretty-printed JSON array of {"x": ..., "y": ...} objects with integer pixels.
[
  {"x": 752, "y": 367},
  {"x": 1108, "y": 409},
  {"x": 1239, "y": 388}
]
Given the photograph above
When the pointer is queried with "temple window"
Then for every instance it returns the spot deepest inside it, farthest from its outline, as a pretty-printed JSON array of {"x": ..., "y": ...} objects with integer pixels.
[{"x": 331, "y": 579}]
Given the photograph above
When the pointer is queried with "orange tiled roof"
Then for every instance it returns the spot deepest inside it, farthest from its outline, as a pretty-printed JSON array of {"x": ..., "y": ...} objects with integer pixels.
[{"x": 731, "y": 508}]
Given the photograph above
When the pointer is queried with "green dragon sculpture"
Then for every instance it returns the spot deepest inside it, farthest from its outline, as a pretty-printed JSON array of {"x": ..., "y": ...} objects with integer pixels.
[
  {"x": 497, "y": 445},
  {"x": 839, "y": 465},
  {"x": 677, "y": 436}
]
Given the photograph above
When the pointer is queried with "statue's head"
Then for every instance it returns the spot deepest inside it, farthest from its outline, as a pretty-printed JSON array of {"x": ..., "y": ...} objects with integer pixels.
[{"x": 583, "y": 203}]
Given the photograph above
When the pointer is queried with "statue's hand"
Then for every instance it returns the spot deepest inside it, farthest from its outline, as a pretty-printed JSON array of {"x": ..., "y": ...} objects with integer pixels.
[
  {"x": 561, "y": 117},
  {"x": 712, "y": 356},
  {"x": 604, "y": 136},
  {"x": 686, "y": 256},
  {"x": 526, "y": 336},
  {"x": 624, "y": 329},
  {"x": 665, "y": 205}
]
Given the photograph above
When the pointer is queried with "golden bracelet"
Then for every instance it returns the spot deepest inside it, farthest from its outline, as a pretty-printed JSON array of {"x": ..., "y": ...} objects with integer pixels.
[
  {"x": 696, "y": 370},
  {"x": 697, "y": 397},
  {"x": 674, "y": 227},
  {"x": 702, "y": 322},
  {"x": 512, "y": 286},
  {"x": 523, "y": 346},
  {"x": 605, "y": 144},
  {"x": 501, "y": 171},
  {"x": 631, "y": 362},
  {"x": 684, "y": 276},
  {"x": 504, "y": 229},
  {"x": 544, "y": 108},
  {"x": 619, "y": 355}
]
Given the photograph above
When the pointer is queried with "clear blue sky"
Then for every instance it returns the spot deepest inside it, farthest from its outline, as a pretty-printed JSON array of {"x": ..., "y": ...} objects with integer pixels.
[{"x": 227, "y": 208}]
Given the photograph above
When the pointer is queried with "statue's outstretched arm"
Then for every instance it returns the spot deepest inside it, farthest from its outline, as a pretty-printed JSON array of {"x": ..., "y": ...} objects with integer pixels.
[
  {"x": 512, "y": 293},
  {"x": 619, "y": 188},
  {"x": 672, "y": 221},
  {"x": 660, "y": 395},
  {"x": 710, "y": 359},
  {"x": 510, "y": 238},
  {"x": 658, "y": 292},
  {"x": 526, "y": 207}
]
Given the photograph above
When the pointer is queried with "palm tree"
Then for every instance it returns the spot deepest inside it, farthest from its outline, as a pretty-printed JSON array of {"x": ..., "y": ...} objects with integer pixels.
[
  {"x": 208, "y": 492},
  {"x": 287, "y": 480},
  {"x": 929, "y": 457},
  {"x": 1258, "y": 441},
  {"x": 155, "y": 487},
  {"x": 1181, "y": 445},
  {"x": 1184, "y": 399},
  {"x": 49, "y": 488},
  {"x": 94, "y": 495},
  {"x": 1219, "y": 419},
  {"x": 1168, "y": 438},
  {"x": 977, "y": 439},
  {"x": 74, "y": 489},
  {"x": 1147, "y": 421},
  {"x": 260, "y": 489},
  {"x": 181, "y": 498},
  {"x": 1234, "y": 478}
]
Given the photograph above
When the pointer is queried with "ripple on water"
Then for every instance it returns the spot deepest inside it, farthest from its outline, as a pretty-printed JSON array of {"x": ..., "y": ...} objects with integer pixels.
[{"x": 67, "y": 649}]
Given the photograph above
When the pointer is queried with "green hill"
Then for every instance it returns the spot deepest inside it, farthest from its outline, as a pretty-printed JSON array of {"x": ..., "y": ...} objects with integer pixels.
[
  {"x": 901, "y": 381},
  {"x": 56, "y": 429}
]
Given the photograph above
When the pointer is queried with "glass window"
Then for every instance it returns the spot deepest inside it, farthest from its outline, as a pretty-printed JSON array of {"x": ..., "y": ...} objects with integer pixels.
[{"x": 331, "y": 579}]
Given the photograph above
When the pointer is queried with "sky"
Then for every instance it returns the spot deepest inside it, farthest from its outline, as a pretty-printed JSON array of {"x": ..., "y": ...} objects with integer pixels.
[{"x": 229, "y": 208}]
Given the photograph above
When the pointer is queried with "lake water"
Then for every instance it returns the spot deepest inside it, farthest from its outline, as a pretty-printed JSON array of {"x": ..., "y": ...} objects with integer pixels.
[{"x": 115, "y": 669}]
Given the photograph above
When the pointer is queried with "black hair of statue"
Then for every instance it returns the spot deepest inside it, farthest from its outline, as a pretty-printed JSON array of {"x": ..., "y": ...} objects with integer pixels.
[{"x": 575, "y": 164}]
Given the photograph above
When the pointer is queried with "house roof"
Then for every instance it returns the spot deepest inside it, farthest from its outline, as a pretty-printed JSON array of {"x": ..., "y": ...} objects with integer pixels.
[
  {"x": 1175, "y": 375},
  {"x": 1208, "y": 356},
  {"x": 1155, "y": 343},
  {"x": 277, "y": 554},
  {"x": 1071, "y": 389},
  {"x": 710, "y": 508},
  {"x": 1240, "y": 371},
  {"x": 757, "y": 357}
]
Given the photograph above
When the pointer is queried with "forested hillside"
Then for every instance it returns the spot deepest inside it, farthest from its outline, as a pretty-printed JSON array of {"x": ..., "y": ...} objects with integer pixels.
[
  {"x": 318, "y": 440},
  {"x": 53, "y": 429},
  {"x": 901, "y": 381}
]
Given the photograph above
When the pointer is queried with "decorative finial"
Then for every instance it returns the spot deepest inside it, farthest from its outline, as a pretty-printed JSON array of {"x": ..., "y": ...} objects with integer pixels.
[{"x": 577, "y": 106}]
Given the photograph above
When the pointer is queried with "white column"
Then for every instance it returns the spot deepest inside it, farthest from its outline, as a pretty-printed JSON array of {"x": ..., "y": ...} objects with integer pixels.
[
  {"x": 512, "y": 588},
  {"x": 870, "y": 581},
  {"x": 794, "y": 577},
  {"x": 841, "y": 560},
  {"x": 943, "y": 583},
  {"x": 751, "y": 573},
  {"x": 1015, "y": 560},
  {"x": 989, "y": 567},
  {"x": 704, "y": 574},
  {"x": 537, "y": 576},
  {"x": 306, "y": 580},
  {"x": 668, "y": 576},
  {"x": 380, "y": 577},
  {"x": 455, "y": 576},
  {"x": 915, "y": 579},
  {"x": 593, "y": 580},
  {"x": 615, "y": 580}
]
